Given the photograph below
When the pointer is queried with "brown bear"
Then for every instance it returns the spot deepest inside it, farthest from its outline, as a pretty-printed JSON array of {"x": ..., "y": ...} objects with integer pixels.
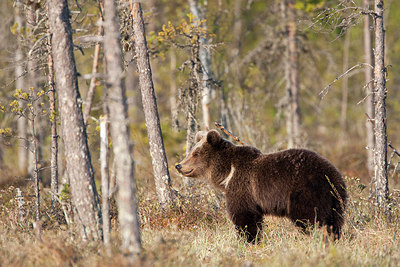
[{"x": 295, "y": 183}]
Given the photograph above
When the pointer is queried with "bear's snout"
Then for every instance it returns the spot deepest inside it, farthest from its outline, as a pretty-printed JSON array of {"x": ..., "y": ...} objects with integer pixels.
[{"x": 178, "y": 167}]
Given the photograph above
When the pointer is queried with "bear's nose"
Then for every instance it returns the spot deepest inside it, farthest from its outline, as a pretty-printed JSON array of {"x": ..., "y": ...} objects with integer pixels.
[{"x": 178, "y": 167}]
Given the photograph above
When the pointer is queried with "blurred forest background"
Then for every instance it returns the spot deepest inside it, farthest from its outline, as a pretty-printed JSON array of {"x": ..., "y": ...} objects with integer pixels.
[{"x": 246, "y": 92}]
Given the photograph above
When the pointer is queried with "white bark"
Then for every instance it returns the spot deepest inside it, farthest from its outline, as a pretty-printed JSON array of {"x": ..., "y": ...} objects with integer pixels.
[
  {"x": 105, "y": 181},
  {"x": 205, "y": 59}
]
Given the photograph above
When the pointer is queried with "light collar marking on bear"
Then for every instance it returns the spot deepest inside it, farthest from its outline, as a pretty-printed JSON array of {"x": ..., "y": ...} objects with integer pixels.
[{"x": 226, "y": 181}]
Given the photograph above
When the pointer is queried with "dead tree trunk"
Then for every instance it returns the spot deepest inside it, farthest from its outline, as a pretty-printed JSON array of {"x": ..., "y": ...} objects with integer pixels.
[
  {"x": 96, "y": 56},
  {"x": 20, "y": 84},
  {"x": 157, "y": 151},
  {"x": 369, "y": 103},
  {"x": 77, "y": 154},
  {"x": 293, "y": 120},
  {"x": 105, "y": 182},
  {"x": 172, "y": 99},
  {"x": 35, "y": 171},
  {"x": 53, "y": 126},
  {"x": 192, "y": 95},
  {"x": 122, "y": 146},
  {"x": 205, "y": 59},
  {"x": 381, "y": 174},
  {"x": 32, "y": 17}
]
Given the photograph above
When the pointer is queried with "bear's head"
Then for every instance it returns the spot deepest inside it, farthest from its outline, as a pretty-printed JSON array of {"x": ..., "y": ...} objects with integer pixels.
[{"x": 197, "y": 163}]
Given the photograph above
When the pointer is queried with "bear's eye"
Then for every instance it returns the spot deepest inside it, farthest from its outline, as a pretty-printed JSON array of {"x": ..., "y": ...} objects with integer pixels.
[{"x": 196, "y": 155}]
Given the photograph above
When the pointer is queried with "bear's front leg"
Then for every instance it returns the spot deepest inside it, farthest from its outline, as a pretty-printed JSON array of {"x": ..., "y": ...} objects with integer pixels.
[{"x": 248, "y": 224}]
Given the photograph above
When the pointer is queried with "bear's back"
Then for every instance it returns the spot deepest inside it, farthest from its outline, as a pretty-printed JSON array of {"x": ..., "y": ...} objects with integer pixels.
[{"x": 276, "y": 177}]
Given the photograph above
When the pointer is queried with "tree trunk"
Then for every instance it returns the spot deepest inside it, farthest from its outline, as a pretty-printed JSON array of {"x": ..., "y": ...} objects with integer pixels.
[
  {"x": 92, "y": 85},
  {"x": 345, "y": 89},
  {"x": 172, "y": 99},
  {"x": 122, "y": 146},
  {"x": 205, "y": 59},
  {"x": 35, "y": 171},
  {"x": 31, "y": 22},
  {"x": 293, "y": 120},
  {"x": 191, "y": 100},
  {"x": 20, "y": 84},
  {"x": 157, "y": 151},
  {"x": 105, "y": 182},
  {"x": 381, "y": 174},
  {"x": 77, "y": 154},
  {"x": 369, "y": 103},
  {"x": 53, "y": 126}
]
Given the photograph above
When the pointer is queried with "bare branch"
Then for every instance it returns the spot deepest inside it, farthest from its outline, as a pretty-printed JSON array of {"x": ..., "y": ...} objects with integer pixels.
[
  {"x": 324, "y": 92},
  {"x": 237, "y": 139}
]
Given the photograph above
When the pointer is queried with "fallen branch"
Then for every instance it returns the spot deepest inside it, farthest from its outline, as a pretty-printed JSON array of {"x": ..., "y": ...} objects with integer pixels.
[{"x": 237, "y": 139}]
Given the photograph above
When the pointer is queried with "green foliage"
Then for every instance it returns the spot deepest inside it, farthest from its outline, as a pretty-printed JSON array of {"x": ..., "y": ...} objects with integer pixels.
[
  {"x": 186, "y": 33},
  {"x": 65, "y": 194}
]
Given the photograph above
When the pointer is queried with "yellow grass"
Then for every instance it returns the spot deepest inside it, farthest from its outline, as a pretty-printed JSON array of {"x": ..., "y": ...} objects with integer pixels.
[{"x": 199, "y": 234}]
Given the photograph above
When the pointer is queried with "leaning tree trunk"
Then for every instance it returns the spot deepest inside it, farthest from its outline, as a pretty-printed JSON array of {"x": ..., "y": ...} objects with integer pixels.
[
  {"x": 293, "y": 120},
  {"x": 78, "y": 162},
  {"x": 122, "y": 145},
  {"x": 369, "y": 103},
  {"x": 381, "y": 174},
  {"x": 157, "y": 151}
]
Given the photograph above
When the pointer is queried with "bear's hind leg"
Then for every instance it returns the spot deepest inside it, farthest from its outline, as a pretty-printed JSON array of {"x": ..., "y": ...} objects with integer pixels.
[{"x": 248, "y": 225}]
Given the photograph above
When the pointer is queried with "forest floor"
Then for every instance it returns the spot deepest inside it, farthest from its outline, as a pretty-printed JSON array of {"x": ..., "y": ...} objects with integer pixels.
[{"x": 199, "y": 233}]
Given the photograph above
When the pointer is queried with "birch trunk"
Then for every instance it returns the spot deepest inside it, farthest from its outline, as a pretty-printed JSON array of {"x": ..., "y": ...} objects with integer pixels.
[
  {"x": 77, "y": 154},
  {"x": 369, "y": 103},
  {"x": 20, "y": 84},
  {"x": 381, "y": 175},
  {"x": 205, "y": 59},
  {"x": 122, "y": 146},
  {"x": 157, "y": 151},
  {"x": 291, "y": 75},
  {"x": 105, "y": 182}
]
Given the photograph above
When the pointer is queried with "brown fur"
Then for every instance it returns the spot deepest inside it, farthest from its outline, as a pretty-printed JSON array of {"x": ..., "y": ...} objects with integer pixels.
[{"x": 295, "y": 183}]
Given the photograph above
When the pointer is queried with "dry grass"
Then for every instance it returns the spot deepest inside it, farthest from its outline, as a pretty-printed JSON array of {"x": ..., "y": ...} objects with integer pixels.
[{"x": 198, "y": 233}]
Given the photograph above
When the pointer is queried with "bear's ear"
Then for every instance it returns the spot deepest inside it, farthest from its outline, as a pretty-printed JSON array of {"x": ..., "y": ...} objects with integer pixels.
[
  {"x": 213, "y": 137},
  {"x": 199, "y": 136}
]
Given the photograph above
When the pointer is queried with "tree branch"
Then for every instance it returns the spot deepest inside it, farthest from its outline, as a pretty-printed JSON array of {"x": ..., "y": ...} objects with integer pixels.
[{"x": 237, "y": 139}]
